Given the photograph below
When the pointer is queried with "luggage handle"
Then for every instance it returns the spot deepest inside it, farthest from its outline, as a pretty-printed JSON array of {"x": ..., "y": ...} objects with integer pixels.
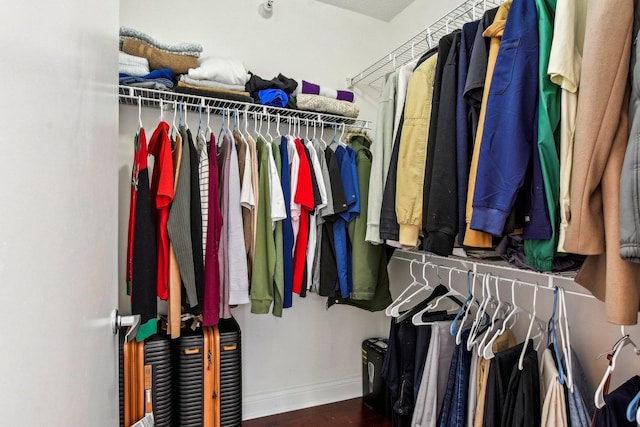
[
  {"x": 229, "y": 347},
  {"x": 192, "y": 351}
]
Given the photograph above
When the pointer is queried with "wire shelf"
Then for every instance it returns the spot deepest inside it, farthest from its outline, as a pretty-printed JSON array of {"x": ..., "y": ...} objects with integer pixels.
[
  {"x": 130, "y": 95},
  {"x": 415, "y": 47}
]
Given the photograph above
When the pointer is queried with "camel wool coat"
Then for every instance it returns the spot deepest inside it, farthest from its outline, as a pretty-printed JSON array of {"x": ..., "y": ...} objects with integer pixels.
[{"x": 602, "y": 133}]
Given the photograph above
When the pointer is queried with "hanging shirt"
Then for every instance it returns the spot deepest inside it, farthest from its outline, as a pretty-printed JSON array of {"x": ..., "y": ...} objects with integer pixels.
[
  {"x": 248, "y": 202},
  {"x": 174, "y": 306},
  {"x": 195, "y": 212},
  {"x": 237, "y": 254},
  {"x": 211, "y": 305},
  {"x": 287, "y": 227},
  {"x": 294, "y": 168},
  {"x": 341, "y": 243},
  {"x": 162, "y": 195},
  {"x": 313, "y": 219},
  {"x": 224, "y": 158},
  {"x": 203, "y": 173},
  {"x": 554, "y": 412},
  {"x": 179, "y": 223},
  {"x": 278, "y": 276},
  {"x": 265, "y": 257},
  {"x": 278, "y": 211},
  {"x": 304, "y": 198},
  {"x": 141, "y": 247}
]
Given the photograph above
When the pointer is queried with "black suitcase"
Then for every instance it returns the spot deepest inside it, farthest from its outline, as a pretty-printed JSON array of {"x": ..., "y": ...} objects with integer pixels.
[
  {"x": 375, "y": 392},
  {"x": 155, "y": 352}
]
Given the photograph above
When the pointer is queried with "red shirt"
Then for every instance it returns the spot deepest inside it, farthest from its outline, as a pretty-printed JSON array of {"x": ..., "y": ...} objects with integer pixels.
[
  {"x": 162, "y": 196},
  {"x": 304, "y": 197}
]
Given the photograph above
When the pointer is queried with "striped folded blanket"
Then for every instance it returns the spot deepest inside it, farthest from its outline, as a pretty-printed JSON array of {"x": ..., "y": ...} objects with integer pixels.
[{"x": 188, "y": 49}]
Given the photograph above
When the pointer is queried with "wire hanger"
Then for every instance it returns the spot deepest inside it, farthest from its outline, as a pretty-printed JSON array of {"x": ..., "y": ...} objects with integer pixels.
[
  {"x": 393, "y": 310},
  {"x": 613, "y": 357}
]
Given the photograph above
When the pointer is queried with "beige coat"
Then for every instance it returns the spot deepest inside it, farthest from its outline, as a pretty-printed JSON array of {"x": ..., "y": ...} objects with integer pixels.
[{"x": 601, "y": 138}]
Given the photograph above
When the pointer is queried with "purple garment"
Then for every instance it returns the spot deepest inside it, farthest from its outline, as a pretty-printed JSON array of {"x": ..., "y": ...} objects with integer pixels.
[{"x": 314, "y": 89}]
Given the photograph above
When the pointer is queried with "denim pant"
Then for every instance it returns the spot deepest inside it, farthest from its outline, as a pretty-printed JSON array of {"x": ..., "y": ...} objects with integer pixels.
[{"x": 453, "y": 412}]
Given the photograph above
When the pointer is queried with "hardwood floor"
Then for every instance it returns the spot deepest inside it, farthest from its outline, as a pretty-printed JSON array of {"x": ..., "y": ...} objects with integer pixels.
[{"x": 346, "y": 413}]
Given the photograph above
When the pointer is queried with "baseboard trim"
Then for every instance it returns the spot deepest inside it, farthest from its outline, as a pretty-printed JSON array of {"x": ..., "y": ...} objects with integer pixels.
[{"x": 290, "y": 399}]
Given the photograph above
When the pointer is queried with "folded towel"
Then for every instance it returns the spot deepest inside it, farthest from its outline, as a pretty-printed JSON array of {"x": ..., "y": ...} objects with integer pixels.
[
  {"x": 158, "y": 59},
  {"x": 149, "y": 84},
  {"x": 210, "y": 83},
  {"x": 327, "y": 105},
  {"x": 126, "y": 59},
  {"x": 314, "y": 89},
  {"x": 163, "y": 76},
  {"x": 223, "y": 70},
  {"x": 273, "y": 97},
  {"x": 183, "y": 87},
  {"x": 192, "y": 49},
  {"x": 133, "y": 70}
]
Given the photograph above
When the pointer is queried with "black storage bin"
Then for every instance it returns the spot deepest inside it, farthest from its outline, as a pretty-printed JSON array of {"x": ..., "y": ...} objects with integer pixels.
[{"x": 375, "y": 392}]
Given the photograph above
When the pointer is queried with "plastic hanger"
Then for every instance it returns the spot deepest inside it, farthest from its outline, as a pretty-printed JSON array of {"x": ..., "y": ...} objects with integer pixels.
[
  {"x": 184, "y": 108},
  {"x": 613, "y": 354},
  {"x": 246, "y": 124},
  {"x": 565, "y": 339},
  {"x": 393, "y": 310},
  {"x": 161, "y": 110},
  {"x": 450, "y": 293},
  {"x": 209, "y": 130},
  {"x": 306, "y": 134},
  {"x": 222, "y": 126},
  {"x": 175, "y": 113},
  {"x": 453, "y": 329},
  {"x": 487, "y": 352},
  {"x": 475, "y": 327},
  {"x": 552, "y": 337},
  {"x": 139, "y": 113},
  {"x": 494, "y": 318},
  {"x": 437, "y": 291},
  {"x": 529, "y": 329},
  {"x": 228, "y": 129},
  {"x": 235, "y": 120},
  {"x": 278, "y": 124}
]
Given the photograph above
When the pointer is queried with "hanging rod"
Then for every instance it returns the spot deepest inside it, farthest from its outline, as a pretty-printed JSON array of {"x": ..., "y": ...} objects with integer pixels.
[
  {"x": 466, "y": 265},
  {"x": 415, "y": 47},
  {"x": 130, "y": 95}
]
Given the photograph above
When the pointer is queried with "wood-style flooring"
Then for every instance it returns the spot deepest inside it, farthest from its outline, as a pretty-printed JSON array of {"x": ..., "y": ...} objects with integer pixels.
[{"x": 346, "y": 413}]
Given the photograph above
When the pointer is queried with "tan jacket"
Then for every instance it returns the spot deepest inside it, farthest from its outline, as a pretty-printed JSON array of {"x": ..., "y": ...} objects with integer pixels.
[
  {"x": 601, "y": 139},
  {"x": 412, "y": 153}
]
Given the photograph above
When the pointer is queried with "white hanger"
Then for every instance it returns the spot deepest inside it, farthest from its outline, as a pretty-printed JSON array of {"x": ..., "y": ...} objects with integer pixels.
[
  {"x": 209, "y": 130},
  {"x": 615, "y": 352},
  {"x": 475, "y": 327},
  {"x": 175, "y": 113},
  {"x": 468, "y": 310},
  {"x": 526, "y": 340},
  {"x": 417, "y": 318},
  {"x": 184, "y": 108},
  {"x": 393, "y": 310},
  {"x": 161, "y": 111},
  {"x": 565, "y": 338},
  {"x": 306, "y": 135},
  {"x": 487, "y": 352},
  {"x": 278, "y": 124},
  {"x": 139, "y": 112},
  {"x": 246, "y": 123},
  {"x": 492, "y": 323}
]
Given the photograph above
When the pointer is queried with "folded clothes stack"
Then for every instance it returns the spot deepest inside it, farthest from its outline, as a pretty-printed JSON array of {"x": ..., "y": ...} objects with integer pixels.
[
  {"x": 277, "y": 92},
  {"x": 218, "y": 77},
  {"x": 178, "y": 57},
  {"x": 132, "y": 65},
  {"x": 156, "y": 79},
  {"x": 323, "y": 104}
]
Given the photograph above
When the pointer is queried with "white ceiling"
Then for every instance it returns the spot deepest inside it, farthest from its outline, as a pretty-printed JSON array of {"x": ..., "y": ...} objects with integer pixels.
[{"x": 384, "y": 10}]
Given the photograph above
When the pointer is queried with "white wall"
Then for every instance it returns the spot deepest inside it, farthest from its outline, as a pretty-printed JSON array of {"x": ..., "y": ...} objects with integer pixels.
[{"x": 58, "y": 225}]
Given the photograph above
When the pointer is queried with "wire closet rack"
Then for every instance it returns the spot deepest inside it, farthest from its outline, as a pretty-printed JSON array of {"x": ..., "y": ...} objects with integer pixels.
[
  {"x": 468, "y": 11},
  {"x": 130, "y": 95}
]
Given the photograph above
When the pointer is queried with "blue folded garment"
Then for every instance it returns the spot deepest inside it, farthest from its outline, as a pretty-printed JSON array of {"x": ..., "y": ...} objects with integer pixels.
[
  {"x": 273, "y": 97},
  {"x": 163, "y": 76}
]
